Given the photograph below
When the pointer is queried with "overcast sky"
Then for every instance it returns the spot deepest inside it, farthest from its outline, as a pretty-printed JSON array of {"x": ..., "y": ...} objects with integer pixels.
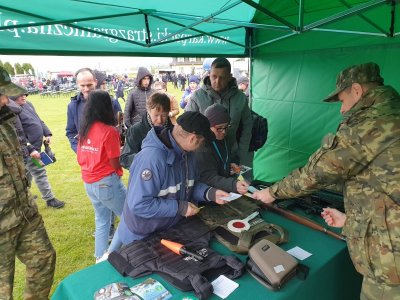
[{"x": 73, "y": 63}]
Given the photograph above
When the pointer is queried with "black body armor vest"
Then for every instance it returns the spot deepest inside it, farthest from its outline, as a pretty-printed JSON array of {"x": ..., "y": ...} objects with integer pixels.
[{"x": 147, "y": 256}]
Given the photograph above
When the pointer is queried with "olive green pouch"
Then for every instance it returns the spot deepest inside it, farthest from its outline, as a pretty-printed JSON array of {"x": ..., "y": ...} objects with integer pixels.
[{"x": 218, "y": 217}]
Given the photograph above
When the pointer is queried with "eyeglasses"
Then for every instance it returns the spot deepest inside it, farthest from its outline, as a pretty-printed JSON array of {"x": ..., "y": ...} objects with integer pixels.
[{"x": 222, "y": 129}]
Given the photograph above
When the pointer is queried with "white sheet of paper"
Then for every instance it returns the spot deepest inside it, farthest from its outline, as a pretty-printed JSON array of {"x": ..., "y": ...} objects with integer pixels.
[
  {"x": 299, "y": 253},
  {"x": 278, "y": 269},
  {"x": 223, "y": 286},
  {"x": 231, "y": 197}
]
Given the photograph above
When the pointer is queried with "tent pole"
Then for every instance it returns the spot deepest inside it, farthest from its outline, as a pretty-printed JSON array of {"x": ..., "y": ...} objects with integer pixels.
[
  {"x": 274, "y": 40},
  {"x": 205, "y": 19},
  {"x": 249, "y": 65},
  {"x": 350, "y": 32},
  {"x": 269, "y": 13},
  {"x": 344, "y": 14},
  {"x": 301, "y": 15},
  {"x": 221, "y": 21},
  {"x": 146, "y": 22},
  {"x": 364, "y": 18},
  {"x": 160, "y": 42},
  {"x": 392, "y": 12}
]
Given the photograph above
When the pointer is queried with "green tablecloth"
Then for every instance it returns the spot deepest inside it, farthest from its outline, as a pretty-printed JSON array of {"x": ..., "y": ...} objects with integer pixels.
[{"x": 331, "y": 275}]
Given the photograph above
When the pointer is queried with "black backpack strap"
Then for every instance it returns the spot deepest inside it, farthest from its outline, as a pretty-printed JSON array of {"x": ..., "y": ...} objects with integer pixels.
[
  {"x": 202, "y": 287},
  {"x": 237, "y": 267}
]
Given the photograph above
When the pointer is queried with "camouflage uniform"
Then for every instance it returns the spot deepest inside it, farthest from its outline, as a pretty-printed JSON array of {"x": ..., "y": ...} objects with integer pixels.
[
  {"x": 363, "y": 157},
  {"x": 22, "y": 231}
]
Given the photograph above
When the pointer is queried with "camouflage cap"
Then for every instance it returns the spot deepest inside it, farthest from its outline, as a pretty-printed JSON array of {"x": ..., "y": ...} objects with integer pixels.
[
  {"x": 363, "y": 73},
  {"x": 7, "y": 87}
]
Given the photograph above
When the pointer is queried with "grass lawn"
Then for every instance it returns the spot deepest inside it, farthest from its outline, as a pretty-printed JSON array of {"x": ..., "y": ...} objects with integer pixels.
[{"x": 70, "y": 228}]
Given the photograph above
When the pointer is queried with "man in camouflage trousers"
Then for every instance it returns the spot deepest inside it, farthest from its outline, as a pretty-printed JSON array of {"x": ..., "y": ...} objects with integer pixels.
[
  {"x": 22, "y": 231},
  {"x": 363, "y": 157}
]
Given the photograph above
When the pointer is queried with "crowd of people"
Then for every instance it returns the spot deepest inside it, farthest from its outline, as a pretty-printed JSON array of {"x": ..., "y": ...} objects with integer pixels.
[{"x": 179, "y": 163}]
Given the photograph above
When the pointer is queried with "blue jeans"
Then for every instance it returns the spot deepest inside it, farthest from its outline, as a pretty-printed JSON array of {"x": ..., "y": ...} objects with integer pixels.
[
  {"x": 116, "y": 242},
  {"x": 107, "y": 194}
]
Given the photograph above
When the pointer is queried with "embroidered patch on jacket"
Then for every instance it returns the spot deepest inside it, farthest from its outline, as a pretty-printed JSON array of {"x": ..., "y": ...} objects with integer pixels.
[{"x": 146, "y": 174}]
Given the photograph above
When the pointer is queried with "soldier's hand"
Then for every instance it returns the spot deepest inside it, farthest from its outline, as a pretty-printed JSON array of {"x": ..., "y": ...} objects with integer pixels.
[
  {"x": 35, "y": 154},
  {"x": 191, "y": 210},
  {"x": 333, "y": 217},
  {"x": 219, "y": 194},
  {"x": 264, "y": 196},
  {"x": 242, "y": 186}
]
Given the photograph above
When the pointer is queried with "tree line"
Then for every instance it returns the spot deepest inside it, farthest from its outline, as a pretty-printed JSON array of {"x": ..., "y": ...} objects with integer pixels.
[{"x": 25, "y": 68}]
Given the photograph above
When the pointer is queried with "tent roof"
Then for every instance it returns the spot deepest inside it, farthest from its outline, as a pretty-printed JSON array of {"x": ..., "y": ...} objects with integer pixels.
[
  {"x": 118, "y": 27},
  {"x": 320, "y": 24},
  {"x": 179, "y": 28}
]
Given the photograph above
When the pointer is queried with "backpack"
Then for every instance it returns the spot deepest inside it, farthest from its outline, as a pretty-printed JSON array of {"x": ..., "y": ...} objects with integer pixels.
[{"x": 259, "y": 132}]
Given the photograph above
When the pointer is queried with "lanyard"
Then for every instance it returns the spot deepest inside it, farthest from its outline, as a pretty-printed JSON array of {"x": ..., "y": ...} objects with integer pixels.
[{"x": 219, "y": 153}]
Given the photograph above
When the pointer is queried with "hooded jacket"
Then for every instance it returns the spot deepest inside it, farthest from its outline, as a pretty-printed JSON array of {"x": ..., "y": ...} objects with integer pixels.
[
  {"x": 161, "y": 177},
  {"x": 135, "y": 106},
  {"x": 236, "y": 104}
]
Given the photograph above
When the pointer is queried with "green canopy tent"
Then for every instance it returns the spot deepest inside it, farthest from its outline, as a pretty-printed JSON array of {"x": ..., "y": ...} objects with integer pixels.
[
  {"x": 295, "y": 65},
  {"x": 296, "y": 48},
  {"x": 147, "y": 28}
]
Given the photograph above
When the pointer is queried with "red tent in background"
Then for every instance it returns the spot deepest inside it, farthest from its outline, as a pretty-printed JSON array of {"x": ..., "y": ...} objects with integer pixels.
[{"x": 65, "y": 74}]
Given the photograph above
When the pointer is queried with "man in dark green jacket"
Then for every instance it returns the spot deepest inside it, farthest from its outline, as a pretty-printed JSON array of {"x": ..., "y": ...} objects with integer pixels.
[
  {"x": 22, "y": 231},
  {"x": 220, "y": 87},
  {"x": 364, "y": 157}
]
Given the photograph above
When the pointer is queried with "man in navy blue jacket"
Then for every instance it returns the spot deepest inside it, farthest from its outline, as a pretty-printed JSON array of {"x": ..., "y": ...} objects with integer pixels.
[
  {"x": 86, "y": 82},
  {"x": 36, "y": 131},
  {"x": 163, "y": 185}
]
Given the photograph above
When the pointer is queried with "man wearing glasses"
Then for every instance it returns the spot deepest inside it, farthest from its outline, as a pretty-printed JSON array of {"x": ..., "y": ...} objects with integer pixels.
[
  {"x": 214, "y": 159},
  {"x": 220, "y": 87}
]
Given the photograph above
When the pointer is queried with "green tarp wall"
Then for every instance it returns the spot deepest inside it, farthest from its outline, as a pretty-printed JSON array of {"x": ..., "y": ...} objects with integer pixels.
[
  {"x": 297, "y": 48},
  {"x": 288, "y": 87}
]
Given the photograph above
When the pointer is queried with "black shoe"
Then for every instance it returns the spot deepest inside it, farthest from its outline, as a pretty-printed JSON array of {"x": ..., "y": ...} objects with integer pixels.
[{"x": 55, "y": 203}]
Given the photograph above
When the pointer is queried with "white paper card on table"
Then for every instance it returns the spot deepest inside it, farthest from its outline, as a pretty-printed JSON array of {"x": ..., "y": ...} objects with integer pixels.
[
  {"x": 278, "y": 269},
  {"x": 299, "y": 253},
  {"x": 223, "y": 286},
  {"x": 231, "y": 197}
]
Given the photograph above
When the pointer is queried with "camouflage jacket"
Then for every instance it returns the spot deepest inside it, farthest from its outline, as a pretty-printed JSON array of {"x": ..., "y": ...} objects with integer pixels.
[
  {"x": 363, "y": 157},
  {"x": 16, "y": 202}
]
